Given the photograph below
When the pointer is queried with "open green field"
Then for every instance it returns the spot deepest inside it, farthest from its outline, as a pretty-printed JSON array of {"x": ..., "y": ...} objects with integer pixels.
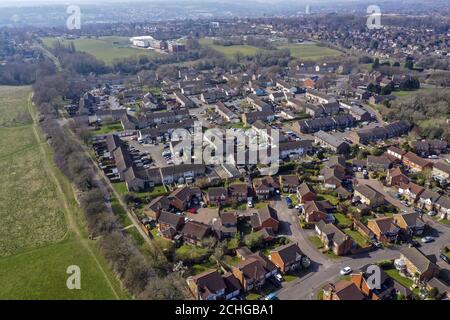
[
  {"x": 41, "y": 225},
  {"x": 310, "y": 51},
  {"x": 105, "y": 48},
  {"x": 230, "y": 51},
  {"x": 13, "y": 106}
]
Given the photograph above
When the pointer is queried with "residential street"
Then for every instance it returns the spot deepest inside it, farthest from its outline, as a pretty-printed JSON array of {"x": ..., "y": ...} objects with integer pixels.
[{"x": 323, "y": 269}]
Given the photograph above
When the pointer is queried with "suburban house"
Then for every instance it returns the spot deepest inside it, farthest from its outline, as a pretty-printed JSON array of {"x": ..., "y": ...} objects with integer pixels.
[
  {"x": 415, "y": 262},
  {"x": 384, "y": 229},
  {"x": 253, "y": 271},
  {"x": 443, "y": 207},
  {"x": 342, "y": 290},
  {"x": 237, "y": 192},
  {"x": 169, "y": 224},
  {"x": 266, "y": 217},
  {"x": 265, "y": 186},
  {"x": 211, "y": 285},
  {"x": 314, "y": 211},
  {"x": 194, "y": 232},
  {"x": 335, "y": 144},
  {"x": 430, "y": 147},
  {"x": 306, "y": 193},
  {"x": 368, "y": 196},
  {"x": 428, "y": 200},
  {"x": 333, "y": 238},
  {"x": 395, "y": 152},
  {"x": 289, "y": 183},
  {"x": 388, "y": 289},
  {"x": 409, "y": 223},
  {"x": 411, "y": 191},
  {"x": 441, "y": 171},
  {"x": 378, "y": 163},
  {"x": 217, "y": 196},
  {"x": 416, "y": 163},
  {"x": 395, "y": 177},
  {"x": 287, "y": 257},
  {"x": 156, "y": 206},
  {"x": 226, "y": 225},
  {"x": 226, "y": 113}
]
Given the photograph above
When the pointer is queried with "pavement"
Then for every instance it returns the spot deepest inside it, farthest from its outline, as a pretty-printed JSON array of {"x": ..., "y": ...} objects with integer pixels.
[{"x": 155, "y": 152}]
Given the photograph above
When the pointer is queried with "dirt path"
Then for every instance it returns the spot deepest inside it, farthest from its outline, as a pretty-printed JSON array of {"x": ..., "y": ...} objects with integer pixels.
[{"x": 71, "y": 222}]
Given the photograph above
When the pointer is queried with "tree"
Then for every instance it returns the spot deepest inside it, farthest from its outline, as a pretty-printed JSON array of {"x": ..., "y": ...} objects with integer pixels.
[{"x": 254, "y": 239}]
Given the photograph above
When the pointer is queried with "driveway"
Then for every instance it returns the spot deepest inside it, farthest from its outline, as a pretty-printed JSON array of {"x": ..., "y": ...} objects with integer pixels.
[{"x": 155, "y": 152}]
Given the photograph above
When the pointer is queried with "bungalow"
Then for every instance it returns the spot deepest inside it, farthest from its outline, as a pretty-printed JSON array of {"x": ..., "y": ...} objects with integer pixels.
[
  {"x": 416, "y": 163},
  {"x": 395, "y": 177},
  {"x": 288, "y": 257},
  {"x": 289, "y": 183},
  {"x": 253, "y": 271},
  {"x": 342, "y": 290},
  {"x": 369, "y": 196},
  {"x": 266, "y": 217},
  {"x": 305, "y": 193},
  {"x": 416, "y": 263},
  {"x": 194, "y": 232},
  {"x": 333, "y": 238},
  {"x": 409, "y": 223},
  {"x": 384, "y": 229}
]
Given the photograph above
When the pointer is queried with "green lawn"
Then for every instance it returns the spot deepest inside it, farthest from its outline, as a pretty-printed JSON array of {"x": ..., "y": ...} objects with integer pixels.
[
  {"x": 330, "y": 198},
  {"x": 315, "y": 240},
  {"x": 121, "y": 188},
  {"x": 41, "y": 225},
  {"x": 109, "y": 128},
  {"x": 310, "y": 51},
  {"x": 105, "y": 48},
  {"x": 358, "y": 237},
  {"x": 343, "y": 220},
  {"x": 135, "y": 234},
  {"x": 253, "y": 296},
  {"x": 163, "y": 243},
  {"x": 394, "y": 274}
]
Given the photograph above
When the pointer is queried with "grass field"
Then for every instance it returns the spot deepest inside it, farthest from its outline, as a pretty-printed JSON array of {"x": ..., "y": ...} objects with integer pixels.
[
  {"x": 310, "y": 51},
  {"x": 230, "y": 51},
  {"x": 41, "y": 226},
  {"x": 109, "y": 128},
  {"x": 105, "y": 48},
  {"x": 13, "y": 106}
]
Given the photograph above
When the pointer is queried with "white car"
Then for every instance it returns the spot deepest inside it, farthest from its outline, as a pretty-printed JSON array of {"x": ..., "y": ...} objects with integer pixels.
[
  {"x": 279, "y": 277},
  {"x": 345, "y": 271},
  {"x": 250, "y": 204},
  {"x": 432, "y": 213},
  {"x": 427, "y": 239}
]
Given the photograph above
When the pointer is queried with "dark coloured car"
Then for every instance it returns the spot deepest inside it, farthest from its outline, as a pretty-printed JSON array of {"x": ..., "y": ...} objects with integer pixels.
[{"x": 445, "y": 258}]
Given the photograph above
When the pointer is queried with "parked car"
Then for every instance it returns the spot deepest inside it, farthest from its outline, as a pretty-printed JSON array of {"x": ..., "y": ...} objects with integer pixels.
[
  {"x": 279, "y": 277},
  {"x": 444, "y": 257},
  {"x": 250, "y": 204},
  {"x": 427, "y": 239},
  {"x": 432, "y": 213},
  {"x": 345, "y": 271},
  {"x": 192, "y": 210},
  {"x": 289, "y": 202}
]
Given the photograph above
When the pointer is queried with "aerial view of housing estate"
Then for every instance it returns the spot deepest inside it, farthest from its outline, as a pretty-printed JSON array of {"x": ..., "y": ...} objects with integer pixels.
[{"x": 214, "y": 150}]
